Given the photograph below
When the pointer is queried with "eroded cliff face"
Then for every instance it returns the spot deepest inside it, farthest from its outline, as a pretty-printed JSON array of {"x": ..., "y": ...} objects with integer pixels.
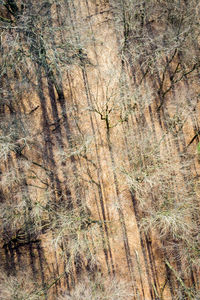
[{"x": 99, "y": 159}]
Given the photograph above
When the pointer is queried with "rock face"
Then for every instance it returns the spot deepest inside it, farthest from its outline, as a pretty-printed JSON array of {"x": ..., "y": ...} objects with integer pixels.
[{"x": 99, "y": 150}]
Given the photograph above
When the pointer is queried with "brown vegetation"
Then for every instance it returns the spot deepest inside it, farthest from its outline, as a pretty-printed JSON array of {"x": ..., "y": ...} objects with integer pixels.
[{"x": 99, "y": 149}]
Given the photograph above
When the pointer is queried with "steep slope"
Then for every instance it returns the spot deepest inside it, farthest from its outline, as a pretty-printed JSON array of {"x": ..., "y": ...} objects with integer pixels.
[{"x": 99, "y": 149}]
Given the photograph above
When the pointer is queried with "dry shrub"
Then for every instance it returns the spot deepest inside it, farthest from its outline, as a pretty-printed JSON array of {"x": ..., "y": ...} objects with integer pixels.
[
  {"x": 15, "y": 135},
  {"x": 18, "y": 287},
  {"x": 17, "y": 208},
  {"x": 100, "y": 289},
  {"x": 164, "y": 186},
  {"x": 155, "y": 29},
  {"x": 13, "y": 177},
  {"x": 11, "y": 219},
  {"x": 169, "y": 223},
  {"x": 75, "y": 232},
  {"x": 181, "y": 109},
  {"x": 186, "y": 251}
]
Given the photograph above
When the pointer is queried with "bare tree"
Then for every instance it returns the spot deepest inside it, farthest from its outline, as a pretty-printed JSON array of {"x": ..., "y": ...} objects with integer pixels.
[{"x": 161, "y": 37}]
